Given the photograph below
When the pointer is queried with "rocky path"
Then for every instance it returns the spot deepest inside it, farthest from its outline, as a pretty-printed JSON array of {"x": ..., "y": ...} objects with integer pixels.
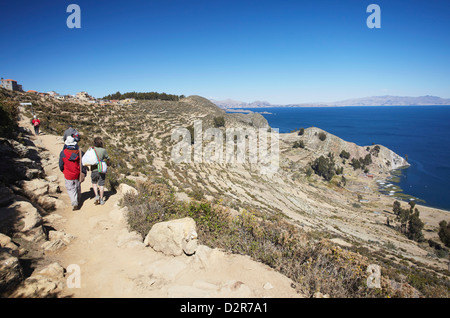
[{"x": 107, "y": 260}]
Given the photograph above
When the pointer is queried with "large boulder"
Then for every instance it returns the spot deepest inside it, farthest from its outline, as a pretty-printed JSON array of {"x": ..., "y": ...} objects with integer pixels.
[
  {"x": 21, "y": 216},
  {"x": 173, "y": 237}
]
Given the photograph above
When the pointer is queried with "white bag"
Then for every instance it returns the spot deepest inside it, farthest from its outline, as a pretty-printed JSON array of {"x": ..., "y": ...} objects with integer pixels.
[{"x": 89, "y": 158}]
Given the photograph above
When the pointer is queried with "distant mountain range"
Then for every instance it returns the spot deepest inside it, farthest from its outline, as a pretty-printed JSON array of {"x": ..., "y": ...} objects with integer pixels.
[{"x": 386, "y": 100}]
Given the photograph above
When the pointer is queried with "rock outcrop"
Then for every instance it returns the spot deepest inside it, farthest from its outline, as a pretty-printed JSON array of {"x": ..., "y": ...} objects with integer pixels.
[
  {"x": 383, "y": 159},
  {"x": 26, "y": 196},
  {"x": 173, "y": 237},
  {"x": 11, "y": 273},
  {"x": 47, "y": 282}
]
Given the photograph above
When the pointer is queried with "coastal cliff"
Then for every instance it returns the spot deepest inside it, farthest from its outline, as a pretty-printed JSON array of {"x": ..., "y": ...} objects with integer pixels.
[{"x": 383, "y": 159}]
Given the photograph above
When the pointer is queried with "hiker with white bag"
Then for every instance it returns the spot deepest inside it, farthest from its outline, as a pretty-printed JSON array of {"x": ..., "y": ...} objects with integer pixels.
[{"x": 98, "y": 159}]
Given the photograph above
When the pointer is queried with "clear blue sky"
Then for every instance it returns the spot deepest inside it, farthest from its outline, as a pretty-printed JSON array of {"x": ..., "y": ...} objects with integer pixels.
[{"x": 279, "y": 51}]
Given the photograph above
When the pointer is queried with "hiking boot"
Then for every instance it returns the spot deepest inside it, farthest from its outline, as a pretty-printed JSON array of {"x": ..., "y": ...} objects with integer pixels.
[
  {"x": 102, "y": 201},
  {"x": 75, "y": 207},
  {"x": 97, "y": 200}
]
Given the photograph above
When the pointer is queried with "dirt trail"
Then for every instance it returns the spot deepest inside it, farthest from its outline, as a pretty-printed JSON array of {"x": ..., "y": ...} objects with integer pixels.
[{"x": 115, "y": 263}]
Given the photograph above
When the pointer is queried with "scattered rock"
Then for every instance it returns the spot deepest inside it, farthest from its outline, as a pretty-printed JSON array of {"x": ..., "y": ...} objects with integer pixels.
[
  {"x": 53, "y": 270},
  {"x": 52, "y": 246},
  {"x": 52, "y": 218},
  {"x": 51, "y": 178},
  {"x": 59, "y": 235},
  {"x": 34, "y": 235},
  {"x": 50, "y": 203},
  {"x": 45, "y": 283},
  {"x": 7, "y": 245},
  {"x": 54, "y": 188},
  {"x": 11, "y": 273},
  {"x": 320, "y": 295},
  {"x": 124, "y": 188},
  {"x": 35, "y": 188}
]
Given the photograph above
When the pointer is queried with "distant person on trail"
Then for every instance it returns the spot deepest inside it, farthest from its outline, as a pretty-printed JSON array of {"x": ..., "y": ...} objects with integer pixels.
[
  {"x": 98, "y": 178},
  {"x": 36, "y": 123},
  {"x": 74, "y": 172},
  {"x": 70, "y": 131}
]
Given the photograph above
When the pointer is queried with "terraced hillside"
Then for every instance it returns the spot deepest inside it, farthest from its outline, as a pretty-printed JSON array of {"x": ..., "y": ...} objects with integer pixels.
[{"x": 348, "y": 210}]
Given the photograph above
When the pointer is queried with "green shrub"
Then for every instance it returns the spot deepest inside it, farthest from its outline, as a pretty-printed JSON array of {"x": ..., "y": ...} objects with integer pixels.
[
  {"x": 410, "y": 222},
  {"x": 197, "y": 194},
  {"x": 415, "y": 227},
  {"x": 154, "y": 203},
  {"x": 343, "y": 181},
  {"x": 444, "y": 233},
  {"x": 9, "y": 111},
  {"x": 324, "y": 167},
  {"x": 322, "y": 136},
  {"x": 367, "y": 160},
  {"x": 219, "y": 121},
  {"x": 344, "y": 154},
  {"x": 309, "y": 171},
  {"x": 299, "y": 144}
]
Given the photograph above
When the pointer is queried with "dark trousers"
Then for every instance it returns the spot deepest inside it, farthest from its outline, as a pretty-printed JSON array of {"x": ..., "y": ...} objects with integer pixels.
[{"x": 36, "y": 130}]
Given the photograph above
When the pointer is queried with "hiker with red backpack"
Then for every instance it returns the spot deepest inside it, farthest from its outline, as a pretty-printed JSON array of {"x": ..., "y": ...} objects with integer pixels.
[
  {"x": 74, "y": 172},
  {"x": 36, "y": 123}
]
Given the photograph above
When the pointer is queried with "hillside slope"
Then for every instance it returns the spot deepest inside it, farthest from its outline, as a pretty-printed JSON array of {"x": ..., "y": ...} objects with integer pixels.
[{"x": 353, "y": 216}]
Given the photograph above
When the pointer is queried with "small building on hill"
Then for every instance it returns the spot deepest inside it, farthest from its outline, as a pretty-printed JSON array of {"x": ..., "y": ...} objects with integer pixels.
[
  {"x": 11, "y": 85},
  {"x": 52, "y": 94},
  {"x": 83, "y": 96}
]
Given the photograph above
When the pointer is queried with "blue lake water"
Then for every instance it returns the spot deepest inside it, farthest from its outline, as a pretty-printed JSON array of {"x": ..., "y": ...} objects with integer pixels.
[{"x": 421, "y": 132}]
